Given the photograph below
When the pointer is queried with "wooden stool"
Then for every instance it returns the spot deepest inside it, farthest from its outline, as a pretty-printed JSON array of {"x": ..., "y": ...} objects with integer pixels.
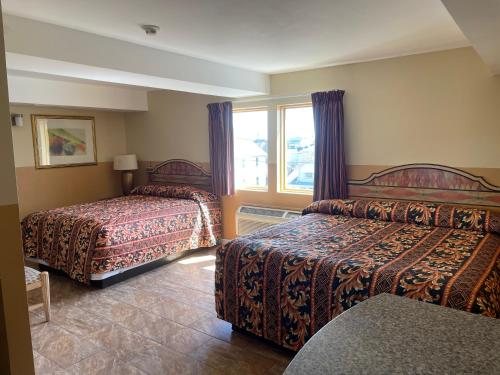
[{"x": 36, "y": 279}]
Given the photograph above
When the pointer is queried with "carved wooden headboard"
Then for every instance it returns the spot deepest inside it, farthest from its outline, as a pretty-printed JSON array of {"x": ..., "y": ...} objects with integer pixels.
[
  {"x": 427, "y": 182},
  {"x": 180, "y": 172}
]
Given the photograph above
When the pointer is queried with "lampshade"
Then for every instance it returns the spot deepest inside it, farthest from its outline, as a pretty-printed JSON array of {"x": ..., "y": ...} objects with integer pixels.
[{"x": 125, "y": 162}]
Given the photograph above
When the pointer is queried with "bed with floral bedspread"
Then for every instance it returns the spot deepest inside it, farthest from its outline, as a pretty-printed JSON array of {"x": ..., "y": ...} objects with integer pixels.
[
  {"x": 114, "y": 234},
  {"x": 286, "y": 282}
]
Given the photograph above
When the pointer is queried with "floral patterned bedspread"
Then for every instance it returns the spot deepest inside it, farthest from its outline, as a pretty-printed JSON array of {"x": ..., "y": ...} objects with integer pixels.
[
  {"x": 286, "y": 282},
  {"x": 99, "y": 237}
]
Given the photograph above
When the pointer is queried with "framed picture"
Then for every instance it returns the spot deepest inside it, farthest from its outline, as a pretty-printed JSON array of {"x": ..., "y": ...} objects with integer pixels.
[{"x": 63, "y": 141}]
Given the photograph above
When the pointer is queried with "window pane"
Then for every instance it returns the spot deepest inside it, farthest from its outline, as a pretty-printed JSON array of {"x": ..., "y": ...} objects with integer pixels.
[
  {"x": 250, "y": 149},
  {"x": 299, "y": 148}
]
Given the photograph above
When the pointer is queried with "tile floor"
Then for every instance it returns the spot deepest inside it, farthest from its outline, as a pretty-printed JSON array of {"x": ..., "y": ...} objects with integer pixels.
[{"x": 161, "y": 322}]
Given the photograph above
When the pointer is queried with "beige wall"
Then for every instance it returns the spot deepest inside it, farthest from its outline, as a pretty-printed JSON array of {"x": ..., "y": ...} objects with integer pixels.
[
  {"x": 16, "y": 355},
  {"x": 174, "y": 127},
  {"x": 441, "y": 107},
  {"x": 41, "y": 189},
  {"x": 65, "y": 186}
]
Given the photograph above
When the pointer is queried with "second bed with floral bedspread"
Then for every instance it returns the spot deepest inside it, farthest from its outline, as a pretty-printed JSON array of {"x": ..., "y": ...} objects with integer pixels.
[
  {"x": 115, "y": 234},
  {"x": 286, "y": 282}
]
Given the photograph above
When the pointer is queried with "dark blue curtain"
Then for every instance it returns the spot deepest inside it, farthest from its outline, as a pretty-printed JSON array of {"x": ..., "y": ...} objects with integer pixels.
[
  {"x": 220, "y": 128},
  {"x": 330, "y": 180}
]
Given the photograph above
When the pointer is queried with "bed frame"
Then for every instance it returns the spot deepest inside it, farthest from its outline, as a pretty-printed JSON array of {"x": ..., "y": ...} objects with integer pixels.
[
  {"x": 174, "y": 172},
  {"x": 430, "y": 183}
]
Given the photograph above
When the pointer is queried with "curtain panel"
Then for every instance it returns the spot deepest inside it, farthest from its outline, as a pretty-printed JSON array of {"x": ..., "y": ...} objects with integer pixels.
[
  {"x": 220, "y": 129},
  {"x": 330, "y": 177}
]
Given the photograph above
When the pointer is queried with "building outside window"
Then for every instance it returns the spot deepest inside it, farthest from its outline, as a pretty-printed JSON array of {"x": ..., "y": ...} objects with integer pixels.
[
  {"x": 250, "y": 149},
  {"x": 296, "y": 148}
]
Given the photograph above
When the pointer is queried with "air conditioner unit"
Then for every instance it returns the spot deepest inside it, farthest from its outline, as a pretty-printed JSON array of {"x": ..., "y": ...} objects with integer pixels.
[{"x": 250, "y": 219}]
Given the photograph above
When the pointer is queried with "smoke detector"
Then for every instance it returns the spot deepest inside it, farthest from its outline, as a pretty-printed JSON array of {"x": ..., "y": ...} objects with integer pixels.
[{"x": 150, "y": 29}]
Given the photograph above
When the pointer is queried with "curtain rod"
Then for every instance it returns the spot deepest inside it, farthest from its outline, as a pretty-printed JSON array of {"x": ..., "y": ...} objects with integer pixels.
[
  {"x": 269, "y": 97},
  {"x": 274, "y": 97}
]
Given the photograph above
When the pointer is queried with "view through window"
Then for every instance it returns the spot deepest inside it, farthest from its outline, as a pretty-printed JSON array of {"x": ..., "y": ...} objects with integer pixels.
[
  {"x": 297, "y": 148},
  {"x": 250, "y": 148}
]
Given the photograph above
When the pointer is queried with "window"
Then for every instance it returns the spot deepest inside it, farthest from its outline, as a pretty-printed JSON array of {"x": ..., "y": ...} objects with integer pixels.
[
  {"x": 296, "y": 148},
  {"x": 250, "y": 148}
]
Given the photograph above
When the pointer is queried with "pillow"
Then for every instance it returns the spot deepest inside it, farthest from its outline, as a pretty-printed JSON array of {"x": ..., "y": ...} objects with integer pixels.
[
  {"x": 420, "y": 213},
  {"x": 175, "y": 191}
]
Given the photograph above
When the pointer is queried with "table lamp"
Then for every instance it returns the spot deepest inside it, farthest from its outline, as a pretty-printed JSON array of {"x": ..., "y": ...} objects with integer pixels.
[{"x": 126, "y": 164}]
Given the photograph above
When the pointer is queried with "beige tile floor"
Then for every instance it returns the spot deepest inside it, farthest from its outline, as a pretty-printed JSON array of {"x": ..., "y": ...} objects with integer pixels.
[{"x": 161, "y": 322}]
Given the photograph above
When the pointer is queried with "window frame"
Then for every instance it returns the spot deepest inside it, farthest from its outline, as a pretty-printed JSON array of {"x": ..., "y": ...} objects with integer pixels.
[
  {"x": 253, "y": 187},
  {"x": 282, "y": 188}
]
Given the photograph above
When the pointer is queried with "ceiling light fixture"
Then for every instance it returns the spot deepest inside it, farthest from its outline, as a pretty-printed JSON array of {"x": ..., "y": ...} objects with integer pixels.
[{"x": 150, "y": 29}]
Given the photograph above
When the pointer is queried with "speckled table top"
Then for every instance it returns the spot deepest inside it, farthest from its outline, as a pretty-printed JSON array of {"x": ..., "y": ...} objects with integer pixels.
[{"x": 388, "y": 334}]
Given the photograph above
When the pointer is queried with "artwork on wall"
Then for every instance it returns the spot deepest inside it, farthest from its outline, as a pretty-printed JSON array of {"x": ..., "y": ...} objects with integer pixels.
[{"x": 63, "y": 141}]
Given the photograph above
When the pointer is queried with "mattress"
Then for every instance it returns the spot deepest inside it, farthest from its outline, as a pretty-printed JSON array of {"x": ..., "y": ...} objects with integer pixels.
[
  {"x": 286, "y": 282},
  {"x": 100, "y": 239}
]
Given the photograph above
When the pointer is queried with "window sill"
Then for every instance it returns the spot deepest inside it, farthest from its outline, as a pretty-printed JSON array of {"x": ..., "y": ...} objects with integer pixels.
[
  {"x": 296, "y": 192},
  {"x": 254, "y": 189}
]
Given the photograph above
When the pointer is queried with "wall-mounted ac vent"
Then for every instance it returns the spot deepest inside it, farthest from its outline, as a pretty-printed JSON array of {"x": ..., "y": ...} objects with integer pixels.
[{"x": 250, "y": 219}]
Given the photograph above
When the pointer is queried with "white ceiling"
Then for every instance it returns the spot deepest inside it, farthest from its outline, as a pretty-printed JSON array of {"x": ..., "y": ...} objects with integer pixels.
[
  {"x": 45, "y": 50},
  {"x": 262, "y": 35}
]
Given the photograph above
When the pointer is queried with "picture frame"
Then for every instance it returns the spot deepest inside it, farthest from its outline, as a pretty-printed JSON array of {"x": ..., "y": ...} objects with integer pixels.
[{"x": 63, "y": 141}]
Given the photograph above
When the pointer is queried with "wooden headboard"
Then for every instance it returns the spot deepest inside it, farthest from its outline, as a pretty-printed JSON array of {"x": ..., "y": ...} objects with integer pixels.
[
  {"x": 427, "y": 182},
  {"x": 180, "y": 172}
]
